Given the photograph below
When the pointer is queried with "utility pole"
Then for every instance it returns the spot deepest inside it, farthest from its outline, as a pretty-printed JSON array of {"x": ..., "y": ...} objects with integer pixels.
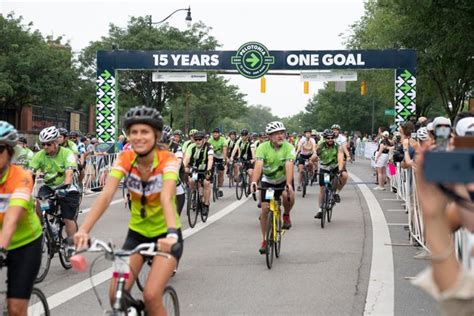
[
  {"x": 186, "y": 113},
  {"x": 373, "y": 114}
]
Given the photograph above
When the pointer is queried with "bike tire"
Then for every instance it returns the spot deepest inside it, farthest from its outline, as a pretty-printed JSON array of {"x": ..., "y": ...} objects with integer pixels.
[
  {"x": 329, "y": 212},
  {"x": 63, "y": 256},
  {"x": 170, "y": 301},
  {"x": 215, "y": 189},
  {"x": 324, "y": 208},
  {"x": 304, "y": 184},
  {"x": 203, "y": 217},
  {"x": 278, "y": 237},
  {"x": 38, "y": 304},
  {"x": 193, "y": 210},
  {"x": 143, "y": 275},
  {"x": 46, "y": 254},
  {"x": 269, "y": 238},
  {"x": 238, "y": 188},
  {"x": 245, "y": 185}
]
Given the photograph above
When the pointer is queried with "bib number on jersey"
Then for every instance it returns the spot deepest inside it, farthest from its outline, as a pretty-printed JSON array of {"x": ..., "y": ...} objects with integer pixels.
[{"x": 269, "y": 194}]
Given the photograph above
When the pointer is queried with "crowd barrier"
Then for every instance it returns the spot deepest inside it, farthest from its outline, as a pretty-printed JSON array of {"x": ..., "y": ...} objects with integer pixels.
[
  {"x": 96, "y": 170},
  {"x": 403, "y": 183}
]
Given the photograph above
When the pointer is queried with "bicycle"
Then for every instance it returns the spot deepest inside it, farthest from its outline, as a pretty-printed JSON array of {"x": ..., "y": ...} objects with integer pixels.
[
  {"x": 274, "y": 229},
  {"x": 305, "y": 178},
  {"x": 125, "y": 303},
  {"x": 216, "y": 194},
  {"x": 54, "y": 232},
  {"x": 37, "y": 304},
  {"x": 230, "y": 173},
  {"x": 241, "y": 186},
  {"x": 195, "y": 203},
  {"x": 331, "y": 180}
]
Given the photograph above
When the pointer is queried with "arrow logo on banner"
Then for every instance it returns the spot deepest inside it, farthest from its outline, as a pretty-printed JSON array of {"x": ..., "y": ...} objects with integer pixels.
[
  {"x": 100, "y": 93},
  {"x": 253, "y": 60},
  {"x": 399, "y": 94},
  {"x": 100, "y": 81},
  {"x": 412, "y": 94},
  {"x": 399, "y": 119},
  {"x": 405, "y": 113},
  {"x": 111, "y": 81},
  {"x": 406, "y": 100},
  {"x": 406, "y": 74},
  {"x": 106, "y": 74},
  {"x": 412, "y": 107},
  {"x": 412, "y": 81},
  {"x": 406, "y": 87},
  {"x": 399, "y": 81},
  {"x": 399, "y": 107}
]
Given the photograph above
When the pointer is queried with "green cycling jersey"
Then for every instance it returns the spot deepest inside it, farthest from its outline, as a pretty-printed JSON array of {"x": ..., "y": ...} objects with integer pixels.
[
  {"x": 274, "y": 171},
  {"x": 54, "y": 167},
  {"x": 328, "y": 155},
  {"x": 218, "y": 146}
]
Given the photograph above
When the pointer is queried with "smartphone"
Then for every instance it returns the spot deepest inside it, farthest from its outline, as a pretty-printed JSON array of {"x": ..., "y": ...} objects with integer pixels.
[{"x": 449, "y": 167}]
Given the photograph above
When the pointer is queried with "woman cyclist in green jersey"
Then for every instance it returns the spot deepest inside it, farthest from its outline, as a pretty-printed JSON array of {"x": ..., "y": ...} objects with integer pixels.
[
  {"x": 20, "y": 228},
  {"x": 150, "y": 174}
]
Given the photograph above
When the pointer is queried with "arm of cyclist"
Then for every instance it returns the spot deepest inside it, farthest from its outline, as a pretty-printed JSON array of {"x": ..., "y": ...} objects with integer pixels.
[
  {"x": 340, "y": 160},
  {"x": 257, "y": 172},
  {"x": 346, "y": 150},
  {"x": 98, "y": 208},
  {"x": 289, "y": 174},
  {"x": 12, "y": 216}
]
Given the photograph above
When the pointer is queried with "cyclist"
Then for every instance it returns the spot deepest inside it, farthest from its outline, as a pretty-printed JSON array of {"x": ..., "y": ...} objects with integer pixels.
[
  {"x": 341, "y": 140},
  {"x": 231, "y": 141},
  {"x": 275, "y": 160},
  {"x": 57, "y": 163},
  {"x": 150, "y": 174},
  {"x": 306, "y": 150},
  {"x": 219, "y": 145},
  {"x": 177, "y": 136},
  {"x": 331, "y": 158},
  {"x": 200, "y": 156},
  {"x": 22, "y": 154},
  {"x": 244, "y": 150},
  {"x": 65, "y": 142},
  {"x": 189, "y": 141},
  {"x": 76, "y": 138},
  {"x": 20, "y": 228}
]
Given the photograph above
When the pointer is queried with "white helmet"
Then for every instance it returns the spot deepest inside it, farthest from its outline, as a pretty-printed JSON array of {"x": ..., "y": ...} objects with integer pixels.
[
  {"x": 48, "y": 134},
  {"x": 273, "y": 127},
  {"x": 422, "y": 134}
]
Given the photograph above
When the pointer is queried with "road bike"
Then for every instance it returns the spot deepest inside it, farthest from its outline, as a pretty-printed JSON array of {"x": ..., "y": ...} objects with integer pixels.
[
  {"x": 125, "y": 303},
  {"x": 216, "y": 193},
  {"x": 54, "y": 230},
  {"x": 230, "y": 173},
  {"x": 274, "y": 229},
  {"x": 37, "y": 304},
  {"x": 195, "y": 203},
  {"x": 306, "y": 177},
  {"x": 241, "y": 183},
  {"x": 331, "y": 180}
]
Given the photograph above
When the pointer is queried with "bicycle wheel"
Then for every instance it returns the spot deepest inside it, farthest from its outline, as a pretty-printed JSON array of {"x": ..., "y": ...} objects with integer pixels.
[
  {"x": 170, "y": 301},
  {"x": 193, "y": 209},
  {"x": 201, "y": 203},
  {"x": 325, "y": 207},
  {"x": 238, "y": 188},
  {"x": 38, "y": 305},
  {"x": 63, "y": 252},
  {"x": 215, "y": 189},
  {"x": 278, "y": 237},
  {"x": 245, "y": 185},
  {"x": 304, "y": 183},
  {"x": 269, "y": 238},
  {"x": 46, "y": 252},
  {"x": 143, "y": 275}
]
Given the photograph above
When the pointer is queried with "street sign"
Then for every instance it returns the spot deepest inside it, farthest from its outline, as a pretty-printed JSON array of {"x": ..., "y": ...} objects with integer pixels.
[
  {"x": 390, "y": 112},
  {"x": 179, "y": 77},
  {"x": 329, "y": 76}
]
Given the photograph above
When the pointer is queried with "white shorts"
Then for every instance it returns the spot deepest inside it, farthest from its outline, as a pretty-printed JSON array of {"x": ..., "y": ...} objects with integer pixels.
[{"x": 382, "y": 161}]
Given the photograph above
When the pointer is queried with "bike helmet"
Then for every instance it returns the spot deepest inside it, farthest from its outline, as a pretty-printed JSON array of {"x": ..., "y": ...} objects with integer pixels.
[
  {"x": 275, "y": 126},
  {"x": 216, "y": 130},
  {"x": 192, "y": 132},
  {"x": 22, "y": 139},
  {"x": 336, "y": 126},
  {"x": 244, "y": 132},
  {"x": 314, "y": 132},
  {"x": 73, "y": 134},
  {"x": 307, "y": 130},
  {"x": 422, "y": 134},
  {"x": 166, "y": 130},
  {"x": 178, "y": 132},
  {"x": 328, "y": 133},
  {"x": 232, "y": 132},
  {"x": 199, "y": 135},
  {"x": 62, "y": 131},
  {"x": 49, "y": 134},
  {"x": 143, "y": 115},
  {"x": 8, "y": 134}
]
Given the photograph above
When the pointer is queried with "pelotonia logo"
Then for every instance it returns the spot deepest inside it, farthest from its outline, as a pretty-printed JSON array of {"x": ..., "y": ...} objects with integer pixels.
[{"x": 252, "y": 60}]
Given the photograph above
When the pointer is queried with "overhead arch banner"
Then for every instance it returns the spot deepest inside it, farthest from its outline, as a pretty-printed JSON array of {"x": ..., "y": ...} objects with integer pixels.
[{"x": 252, "y": 60}]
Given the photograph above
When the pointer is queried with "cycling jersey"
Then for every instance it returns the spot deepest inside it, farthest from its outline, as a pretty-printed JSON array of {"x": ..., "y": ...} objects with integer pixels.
[
  {"x": 22, "y": 156},
  {"x": 15, "y": 190},
  {"x": 218, "y": 146},
  {"x": 165, "y": 167},
  {"x": 72, "y": 146},
  {"x": 245, "y": 149},
  {"x": 186, "y": 145},
  {"x": 341, "y": 140},
  {"x": 54, "y": 167},
  {"x": 328, "y": 156},
  {"x": 199, "y": 156},
  {"x": 230, "y": 146},
  {"x": 306, "y": 146},
  {"x": 274, "y": 171}
]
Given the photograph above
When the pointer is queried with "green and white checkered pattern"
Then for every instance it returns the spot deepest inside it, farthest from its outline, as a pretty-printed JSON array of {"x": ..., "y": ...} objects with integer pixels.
[
  {"x": 106, "y": 106},
  {"x": 405, "y": 95}
]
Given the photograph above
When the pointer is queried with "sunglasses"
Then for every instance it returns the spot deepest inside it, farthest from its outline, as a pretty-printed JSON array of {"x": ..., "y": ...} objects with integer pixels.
[
  {"x": 46, "y": 144},
  {"x": 329, "y": 138},
  {"x": 2, "y": 148},
  {"x": 198, "y": 139},
  {"x": 143, "y": 202}
]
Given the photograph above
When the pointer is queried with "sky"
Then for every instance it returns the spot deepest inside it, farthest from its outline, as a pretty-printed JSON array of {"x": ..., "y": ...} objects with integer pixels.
[{"x": 277, "y": 24}]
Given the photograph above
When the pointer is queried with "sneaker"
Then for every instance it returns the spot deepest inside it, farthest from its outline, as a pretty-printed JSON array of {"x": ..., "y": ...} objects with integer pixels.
[
  {"x": 286, "y": 221},
  {"x": 337, "y": 198},
  {"x": 318, "y": 214},
  {"x": 298, "y": 189},
  {"x": 221, "y": 193},
  {"x": 263, "y": 248},
  {"x": 88, "y": 191},
  {"x": 205, "y": 210},
  {"x": 377, "y": 188}
]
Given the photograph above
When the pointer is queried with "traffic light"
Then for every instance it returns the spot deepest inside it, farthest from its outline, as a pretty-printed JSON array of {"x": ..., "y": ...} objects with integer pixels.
[
  {"x": 363, "y": 88},
  {"x": 263, "y": 85},
  {"x": 306, "y": 87}
]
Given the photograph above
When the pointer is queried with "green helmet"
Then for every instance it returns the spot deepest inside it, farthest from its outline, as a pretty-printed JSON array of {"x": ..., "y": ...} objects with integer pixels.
[
  {"x": 314, "y": 132},
  {"x": 191, "y": 132}
]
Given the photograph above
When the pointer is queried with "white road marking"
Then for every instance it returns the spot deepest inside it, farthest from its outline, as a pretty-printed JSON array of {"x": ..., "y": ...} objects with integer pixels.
[
  {"x": 395, "y": 210},
  {"x": 397, "y": 224},
  {"x": 79, "y": 288},
  {"x": 87, "y": 210},
  {"x": 380, "y": 295}
]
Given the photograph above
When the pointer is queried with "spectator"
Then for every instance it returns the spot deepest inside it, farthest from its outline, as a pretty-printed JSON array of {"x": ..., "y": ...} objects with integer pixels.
[
  {"x": 381, "y": 160},
  {"x": 89, "y": 174},
  {"x": 120, "y": 143}
]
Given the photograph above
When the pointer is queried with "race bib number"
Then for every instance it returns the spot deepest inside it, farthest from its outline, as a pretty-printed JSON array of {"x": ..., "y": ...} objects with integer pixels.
[
  {"x": 327, "y": 178},
  {"x": 195, "y": 176},
  {"x": 269, "y": 194},
  {"x": 122, "y": 265},
  {"x": 44, "y": 204}
]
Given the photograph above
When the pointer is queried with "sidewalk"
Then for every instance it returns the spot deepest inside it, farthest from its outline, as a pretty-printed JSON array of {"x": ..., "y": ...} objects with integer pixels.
[{"x": 408, "y": 299}]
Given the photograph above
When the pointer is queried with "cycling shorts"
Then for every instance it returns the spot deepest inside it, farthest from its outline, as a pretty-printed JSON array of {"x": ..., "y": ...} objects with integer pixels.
[
  {"x": 248, "y": 164},
  {"x": 133, "y": 239},
  {"x": 23, "y": 265},
  {"x": 70, "y": 205},
  {"x": 321, "y": 175},
  {"x": 269, "y": 185},
  {"x": 302, "y": 158},
  {"x": 219, "y": 163}
]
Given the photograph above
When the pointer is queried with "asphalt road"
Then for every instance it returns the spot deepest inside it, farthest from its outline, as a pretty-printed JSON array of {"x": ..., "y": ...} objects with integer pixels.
[{"x": 320, "y": 271}]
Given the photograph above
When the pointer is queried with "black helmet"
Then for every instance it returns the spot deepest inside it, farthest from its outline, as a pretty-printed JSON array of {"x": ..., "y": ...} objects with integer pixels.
[
  {"x": 62, "y": 131},
  {"x": 328, "y": 133},
  {"x": 73, "y": 134},
  {"x": 22, "y": 139},
  {"x": 244, "y": 132},
  {"x": 143, "y": 115},
  {"x": 216, "y": 130},
  {"x": 307, "y": 130},
  {"x": 199, "y": 135},
  {"x": 232, "y": 132}
]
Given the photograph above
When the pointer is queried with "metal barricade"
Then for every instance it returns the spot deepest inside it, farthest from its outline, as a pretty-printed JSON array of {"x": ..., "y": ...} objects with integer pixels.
[{"x": 96, "y": 170}]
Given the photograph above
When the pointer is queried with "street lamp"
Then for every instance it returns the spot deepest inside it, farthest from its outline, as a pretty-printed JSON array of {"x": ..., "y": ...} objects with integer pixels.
[{"x": 188, "y": 19}]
